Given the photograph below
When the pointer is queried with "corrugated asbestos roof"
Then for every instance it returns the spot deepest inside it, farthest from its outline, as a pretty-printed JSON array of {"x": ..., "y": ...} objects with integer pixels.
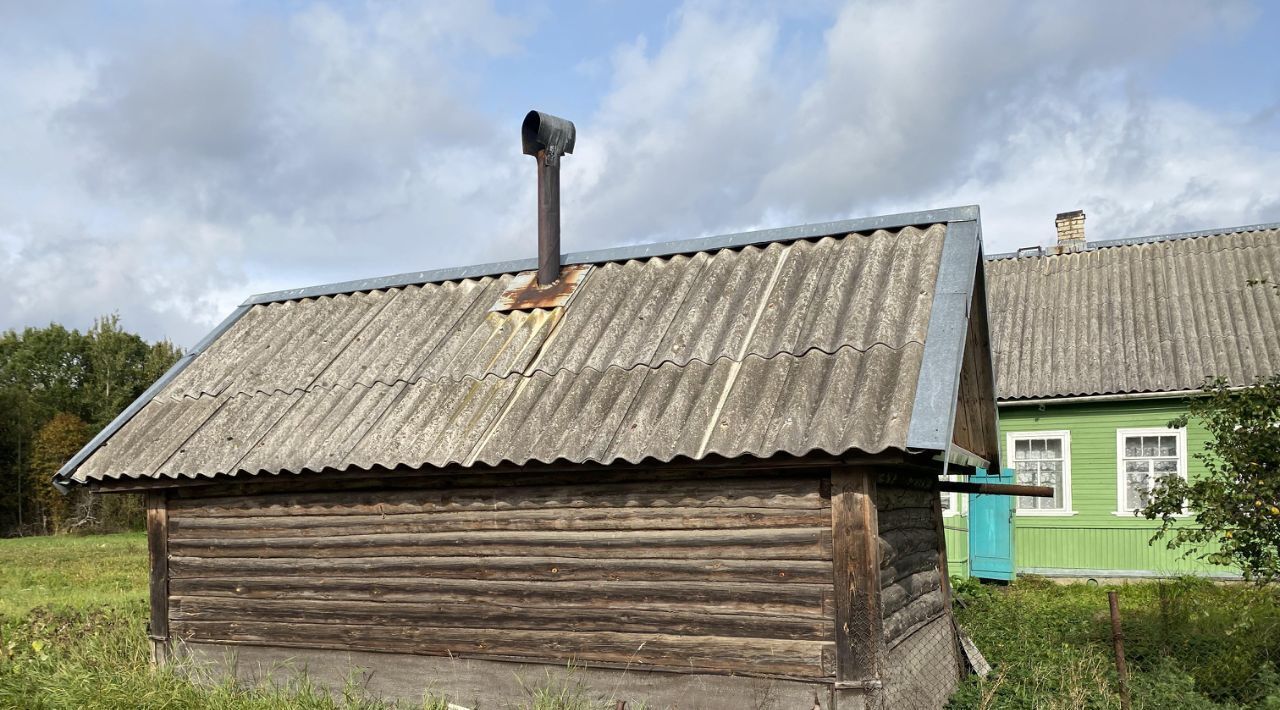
[
  {"x": 1158, "y": 316},
  {"x": 813, "y": 344}
]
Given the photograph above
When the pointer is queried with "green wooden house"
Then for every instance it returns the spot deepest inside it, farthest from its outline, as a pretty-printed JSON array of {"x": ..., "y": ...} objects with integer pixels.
[{"x": 1097, "y": 347}]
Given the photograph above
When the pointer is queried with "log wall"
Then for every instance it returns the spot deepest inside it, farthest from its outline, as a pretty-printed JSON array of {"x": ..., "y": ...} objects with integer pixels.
[
  {"x": 713, "y": 576},
  {"x": 911, "y": 581},
  {"x": 923, "y": 667}
]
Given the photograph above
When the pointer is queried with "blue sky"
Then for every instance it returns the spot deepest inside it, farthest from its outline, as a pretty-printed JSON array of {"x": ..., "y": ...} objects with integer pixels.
[{"x": 164, "y": 160}]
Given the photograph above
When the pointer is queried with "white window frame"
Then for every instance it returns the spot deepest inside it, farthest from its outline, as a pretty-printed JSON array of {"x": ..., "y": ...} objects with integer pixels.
[
  {"x": 1122, "y": 434},
  {"x": 954, "y": 498},
  {"x": 1066, "y": 509}
]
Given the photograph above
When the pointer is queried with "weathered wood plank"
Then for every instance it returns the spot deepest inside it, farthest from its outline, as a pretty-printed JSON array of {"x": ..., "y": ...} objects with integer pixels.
[
  {"x": 798, "y": 658},
  {"x": 158, "y": 554},
  {"x": 524, "y": 568},
  {"x": 798, "y": 493},
  {"x": 681, "y": 518},
  {"x": 676, "y": 620},
  {"x": 793, "y": 599},
  {"x": 859, "y": 637},
  {"x": 791, "y": 543}
]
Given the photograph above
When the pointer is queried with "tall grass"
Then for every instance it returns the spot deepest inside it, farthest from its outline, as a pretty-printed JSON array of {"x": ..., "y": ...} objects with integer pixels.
[{"x": 1200, "y": 644}]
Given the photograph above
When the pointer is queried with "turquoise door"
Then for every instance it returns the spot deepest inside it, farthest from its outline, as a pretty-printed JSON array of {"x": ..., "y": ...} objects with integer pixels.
[{"x": 991, "y": 530}]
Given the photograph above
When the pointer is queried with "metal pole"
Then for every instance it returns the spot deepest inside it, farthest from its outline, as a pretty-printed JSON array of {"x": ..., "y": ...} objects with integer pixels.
[
  {"x": 548, "y": 218},
  {"x": 996, "y": 489},
  {"x": 1117, "y": 635}
]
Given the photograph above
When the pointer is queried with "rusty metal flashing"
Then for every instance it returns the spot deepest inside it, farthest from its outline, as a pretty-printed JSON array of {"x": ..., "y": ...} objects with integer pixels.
[
  {"x": 636, "y": 251},
  {"x": 525, "y": 294},
  {"x": 933, "y": 414},
  {"x": 62, "y": 477}
]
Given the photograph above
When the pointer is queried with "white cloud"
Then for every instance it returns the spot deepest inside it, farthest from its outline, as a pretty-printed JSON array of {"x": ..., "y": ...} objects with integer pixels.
[
  {"x": 175, "y": 166},
  {"x": 168, "y": 172},
  {"x": 1024, "y": 108}
]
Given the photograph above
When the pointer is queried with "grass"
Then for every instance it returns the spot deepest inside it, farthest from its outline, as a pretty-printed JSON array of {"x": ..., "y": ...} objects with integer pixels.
[
  {"x": 68, "y": 571},
  {"x": 1189, "y": 644},
  {"x": 73, "y": 635}
]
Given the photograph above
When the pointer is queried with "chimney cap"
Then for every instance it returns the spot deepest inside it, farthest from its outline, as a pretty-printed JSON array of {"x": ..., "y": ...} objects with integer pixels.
[
  {"x": 1070, "y": 215},
  {"x": 542, "y": 131}
]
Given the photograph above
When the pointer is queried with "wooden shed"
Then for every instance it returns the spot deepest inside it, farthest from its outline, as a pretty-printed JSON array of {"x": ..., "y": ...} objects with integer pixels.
[{"x": 701, "y": 474}]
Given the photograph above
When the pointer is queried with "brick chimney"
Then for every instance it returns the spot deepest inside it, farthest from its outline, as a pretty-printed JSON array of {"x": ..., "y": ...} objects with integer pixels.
[{"x": 1070, "y": 232}]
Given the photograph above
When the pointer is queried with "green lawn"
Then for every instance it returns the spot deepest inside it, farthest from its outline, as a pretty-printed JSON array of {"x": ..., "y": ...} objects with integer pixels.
[
  {"x": 73, "y": 611},
  {"x": 75, "y": 572}
]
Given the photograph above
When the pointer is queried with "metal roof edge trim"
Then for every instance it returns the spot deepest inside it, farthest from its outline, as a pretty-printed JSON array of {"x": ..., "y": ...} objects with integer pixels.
[
  {"x": 1111, "y": 397},
  {"x": 635, "y": 251},
  {"x": 1149, "y": 239},
  {"x": 934, "y": 410},
  {"x": 981, "y": 293},
  {"x": 62, "y": 478}
]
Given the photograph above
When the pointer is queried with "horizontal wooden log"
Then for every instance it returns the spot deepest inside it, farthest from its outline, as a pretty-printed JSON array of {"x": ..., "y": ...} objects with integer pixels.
[
  {"x": 794, "y": 544},
  {"x": 998, "y": 489},
  {"x": 525, "y": 568},
  {"x": 905, "y": 566},
  {"x": 891, "y": 498},
  {"x": 799, "y": 493},
  {"x": 919, "y": 610},
  {"x": 785, "y": 657},
  {"x": 902, "y": 593},
  {"x": 911, "y": 517},
  {"x": 713, "y": 518},
  {"x": 896, "y": 544},
  {"x": 792, "y": 599},
  {"x": 676, "y": 620}
]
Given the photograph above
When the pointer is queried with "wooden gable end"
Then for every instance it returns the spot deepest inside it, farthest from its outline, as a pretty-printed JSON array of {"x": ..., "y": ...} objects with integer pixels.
[{"x": 976, "y": 417}]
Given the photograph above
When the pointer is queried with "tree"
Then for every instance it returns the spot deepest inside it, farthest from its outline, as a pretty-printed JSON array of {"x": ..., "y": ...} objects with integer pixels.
[
  {"x": 92, "y": 376},
  {"x": 1236, "y": 504},
  {"x": 58, "y": 441}
]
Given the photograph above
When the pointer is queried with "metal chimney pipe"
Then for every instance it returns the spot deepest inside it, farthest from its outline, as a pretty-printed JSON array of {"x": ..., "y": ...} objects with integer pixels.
[{"x": 546, "y": 138}]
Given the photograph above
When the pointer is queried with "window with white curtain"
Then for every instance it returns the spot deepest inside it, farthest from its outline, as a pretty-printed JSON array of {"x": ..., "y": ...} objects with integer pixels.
[
  {"x": 1144, "y": 456},
  {"x": 1042, "y": 458}
]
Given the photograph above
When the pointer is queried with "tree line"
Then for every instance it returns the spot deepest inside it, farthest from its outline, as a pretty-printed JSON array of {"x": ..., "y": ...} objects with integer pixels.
[{"x": 58, "y": 388}]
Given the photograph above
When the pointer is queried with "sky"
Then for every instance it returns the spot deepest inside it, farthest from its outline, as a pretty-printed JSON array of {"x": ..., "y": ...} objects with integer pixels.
[{"x": 163, "y": 160}]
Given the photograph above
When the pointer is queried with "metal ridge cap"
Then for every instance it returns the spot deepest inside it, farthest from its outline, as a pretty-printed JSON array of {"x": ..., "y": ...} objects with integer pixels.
[
  {"x": 63, "y": 476},
  {"x": 1149, "y": 239},
  {"x": 633, "y": 251},
  {"x": 934, "y": 409}
]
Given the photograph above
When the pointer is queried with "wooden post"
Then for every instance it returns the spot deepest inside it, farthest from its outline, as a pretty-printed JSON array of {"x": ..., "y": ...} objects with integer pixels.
[
  {"x": 1117, "y": 637},
  {"x": 855, "y": 539},
  {"x": 158, "y": 552}
]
